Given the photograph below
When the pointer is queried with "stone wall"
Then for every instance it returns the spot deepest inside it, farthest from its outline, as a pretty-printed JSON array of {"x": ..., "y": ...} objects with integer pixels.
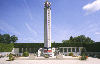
[{"x": 4, "y": 53}]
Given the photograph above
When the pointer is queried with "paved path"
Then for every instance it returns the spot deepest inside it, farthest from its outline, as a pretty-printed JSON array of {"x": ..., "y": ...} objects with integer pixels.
[{"x": 89, "y": 61}]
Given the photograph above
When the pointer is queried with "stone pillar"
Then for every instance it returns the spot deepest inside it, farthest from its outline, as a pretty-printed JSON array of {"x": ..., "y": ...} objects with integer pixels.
[
  {"x": 26, "y": 49},
  {"x": 75, "y": 49},
  {"x": 67, "y": 52},
  {"x": 22, "y": 50},
  {"x": 71, "y": 49},
  {"x": 30, "y": 50},
  {"x": 63, "y": 50},
  {"x": 79, "y": 50}
]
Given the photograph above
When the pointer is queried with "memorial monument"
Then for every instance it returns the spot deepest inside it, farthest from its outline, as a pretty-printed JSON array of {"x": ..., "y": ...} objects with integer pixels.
[
  {"x": 47, "y": 28},
  {"x": 47, "y": 31}
]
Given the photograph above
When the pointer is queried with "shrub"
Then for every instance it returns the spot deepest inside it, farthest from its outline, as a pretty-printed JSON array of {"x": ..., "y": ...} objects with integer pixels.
[
  {"x": 83, "y": 57},
  {"x": 83, "y": 51},
  {"x": 98, "y": 56},
  {"x": 11, "y": 57},
  {"x": 4, "y": 47},
  {"x": 25, "y": 54},
  {"x": 46, "y": 56},
  {"x": 71, "y": 54}
]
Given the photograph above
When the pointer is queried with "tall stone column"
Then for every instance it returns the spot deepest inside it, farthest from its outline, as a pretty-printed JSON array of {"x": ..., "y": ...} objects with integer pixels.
[
  {"x": 47, "y": 28},
  {"x": 47, "y": 24}
]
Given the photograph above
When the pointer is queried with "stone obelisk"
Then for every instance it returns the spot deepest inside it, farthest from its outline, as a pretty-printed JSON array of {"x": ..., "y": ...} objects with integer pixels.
[{"x": 47, "y": 28}]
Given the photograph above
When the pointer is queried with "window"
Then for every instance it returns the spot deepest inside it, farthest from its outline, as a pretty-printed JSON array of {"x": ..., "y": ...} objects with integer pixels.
[
  {"x": 69, "y": 49},
  {"x": 77, "y": 49},
  {"x": 61, "y": 49},
  {"x": 73, "y": 49},
  {"x": 65, "y": 49}
]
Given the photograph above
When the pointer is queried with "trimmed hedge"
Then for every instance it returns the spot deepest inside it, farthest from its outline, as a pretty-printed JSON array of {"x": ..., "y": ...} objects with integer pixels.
[
  {"x": 25, "y": 54},
  {"x": 4, "y": 47},
  {"x": 28, "y": 45},
  {"x": 70, "y": 54},
  {"x": 34, "y": 47},
  {"x": 93, "y": 47}
]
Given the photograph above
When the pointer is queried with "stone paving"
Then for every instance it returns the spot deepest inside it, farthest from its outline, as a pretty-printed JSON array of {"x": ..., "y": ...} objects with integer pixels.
[{"x": 88, "y": 61}]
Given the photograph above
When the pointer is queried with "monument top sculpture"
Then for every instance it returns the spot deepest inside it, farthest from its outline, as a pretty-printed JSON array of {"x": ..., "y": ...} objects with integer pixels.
[{"x": 47, "y": 4}]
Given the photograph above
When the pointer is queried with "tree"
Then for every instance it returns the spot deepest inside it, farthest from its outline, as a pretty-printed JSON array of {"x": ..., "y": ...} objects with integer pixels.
[
  {"x": 79, "y": 39},
  {"x": 13, "y": 38},
  {"x": 65, "y": 41},
  {"x": 71, "y": 38},
  {"x": 1, "y": 38},
  {"x": 6, "y": 38}
]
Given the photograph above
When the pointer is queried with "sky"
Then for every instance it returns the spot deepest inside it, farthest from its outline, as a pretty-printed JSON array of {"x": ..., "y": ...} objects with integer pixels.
[{"x": 25, "y": 19}]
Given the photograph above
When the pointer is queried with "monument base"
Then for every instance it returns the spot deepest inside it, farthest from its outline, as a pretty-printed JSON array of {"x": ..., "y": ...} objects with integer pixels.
[{"x": 46, "y": 51}]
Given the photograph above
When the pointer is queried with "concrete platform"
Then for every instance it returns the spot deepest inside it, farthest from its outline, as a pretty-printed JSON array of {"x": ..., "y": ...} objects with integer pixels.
[{"x": 88, "y": 61}]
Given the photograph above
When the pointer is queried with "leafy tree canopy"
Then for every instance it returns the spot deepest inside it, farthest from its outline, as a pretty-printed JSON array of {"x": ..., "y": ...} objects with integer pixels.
[
  {"x": 6, "y": 38},
  {"x": 79, "y": 39}
]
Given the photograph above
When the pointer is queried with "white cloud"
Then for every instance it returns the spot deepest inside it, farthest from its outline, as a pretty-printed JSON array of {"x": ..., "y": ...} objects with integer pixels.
[
  {"x": 8, "y": 28},
  {"x": 26, "y": 40},
  {"x": 28, "y": 9},
  {"x": 97, "y": 33},
  {"x": 30, "y": 29},
  {"x": 29, "y": 40},
  {"x": 92, "y": 7}
]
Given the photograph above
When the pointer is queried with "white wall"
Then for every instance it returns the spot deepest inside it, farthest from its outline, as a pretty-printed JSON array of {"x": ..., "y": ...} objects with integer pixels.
[
  {"x": 4, "y": 53},
  {"x": 15, "y": 51}
]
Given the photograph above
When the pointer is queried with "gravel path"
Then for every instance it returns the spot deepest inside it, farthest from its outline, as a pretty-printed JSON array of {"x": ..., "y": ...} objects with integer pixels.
[{"x": 89, "y": 61}]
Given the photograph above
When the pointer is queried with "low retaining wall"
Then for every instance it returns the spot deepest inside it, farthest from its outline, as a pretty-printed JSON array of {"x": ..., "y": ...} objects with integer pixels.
[{"x": 4, "y": 53}]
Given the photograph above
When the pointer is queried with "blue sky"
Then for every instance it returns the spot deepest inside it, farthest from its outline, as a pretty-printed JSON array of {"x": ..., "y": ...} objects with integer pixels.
[{"x": 25, "y": 19}]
